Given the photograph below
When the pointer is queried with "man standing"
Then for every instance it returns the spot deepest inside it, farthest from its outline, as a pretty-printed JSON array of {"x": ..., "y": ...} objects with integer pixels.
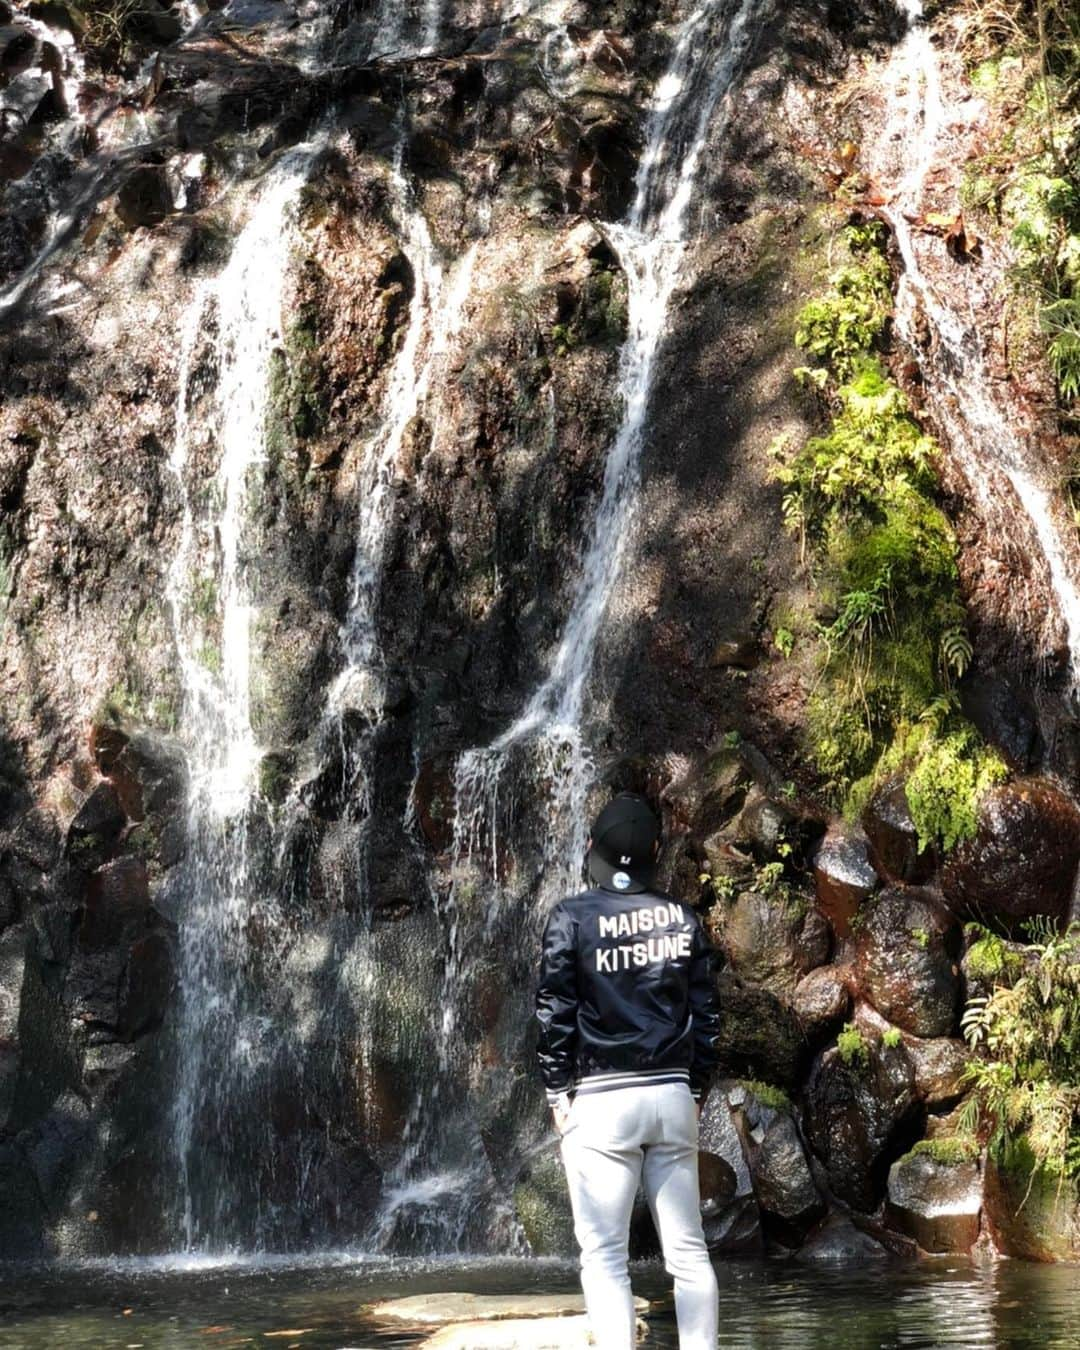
[{"x": 628, "y": 1021}]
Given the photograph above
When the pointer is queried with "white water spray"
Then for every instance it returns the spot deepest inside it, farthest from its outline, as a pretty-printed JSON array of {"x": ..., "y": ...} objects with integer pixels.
[{"x": 232, "y": 328}]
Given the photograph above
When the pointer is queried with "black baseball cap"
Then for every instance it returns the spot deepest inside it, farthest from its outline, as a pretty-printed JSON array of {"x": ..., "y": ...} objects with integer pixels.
[{"x": 623, "y": 852}]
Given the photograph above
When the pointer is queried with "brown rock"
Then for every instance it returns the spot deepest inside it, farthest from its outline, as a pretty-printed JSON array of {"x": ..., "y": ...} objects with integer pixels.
[
  {"x": 938, "y": 1064},
  {"x": 903, "y": 961},
  {"x": 1037, "y": 1218},
  {"x": 892, "y": 837},
  {"x": 1023, "y": 859},
  {"x": 843, "y": 876},
  {"x": 822, "y": 999}
]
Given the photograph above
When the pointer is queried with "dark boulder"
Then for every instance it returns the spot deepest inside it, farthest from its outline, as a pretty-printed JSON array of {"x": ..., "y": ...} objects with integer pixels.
[
  {"x": 860, "y": 1113},
  {"x": 839, "y": 1243},
  {"x": 892, "y": 837},
  {"x": 935, "y": 1197},
  {"x": 843, "y": 876},
  {"x": 1023, "y": 859},
  {"x": 146, "y": 196},
  {"x": 760, "y": 1036},
  {"x": 904, "y": 964},
  {"x": 93, "y": 834},
  {"x": 772, "y": 939}
]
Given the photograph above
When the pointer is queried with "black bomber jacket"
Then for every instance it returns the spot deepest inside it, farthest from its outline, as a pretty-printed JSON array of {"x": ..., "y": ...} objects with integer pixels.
[{"x": 626, "y": 995}]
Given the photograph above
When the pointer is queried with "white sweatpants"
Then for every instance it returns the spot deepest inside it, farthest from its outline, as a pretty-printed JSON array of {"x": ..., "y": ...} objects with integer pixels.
[{"x": 612, "y": 1141}]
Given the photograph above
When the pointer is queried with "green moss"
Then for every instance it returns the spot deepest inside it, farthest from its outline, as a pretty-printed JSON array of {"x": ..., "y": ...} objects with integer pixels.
[
  {"x": 989, "y": 958},
  {"x": 767, "y": 1094},
  {"x": 891, "y": 1038},
  {"x": 542, "y": 1206},
  {"x": 852, "y": 1046},
  {"x": 950, "y": 1150},
  {"x": 883, "y": 560}
]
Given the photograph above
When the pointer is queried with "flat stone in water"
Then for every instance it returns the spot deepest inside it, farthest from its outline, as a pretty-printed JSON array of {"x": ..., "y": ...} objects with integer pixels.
[
  {"x": 531, "y": 1333},
  {"x": 435, "y": 1309}
]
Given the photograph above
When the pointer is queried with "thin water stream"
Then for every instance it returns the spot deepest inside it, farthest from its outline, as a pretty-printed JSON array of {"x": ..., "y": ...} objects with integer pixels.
[{"x": 981, "y": 429}]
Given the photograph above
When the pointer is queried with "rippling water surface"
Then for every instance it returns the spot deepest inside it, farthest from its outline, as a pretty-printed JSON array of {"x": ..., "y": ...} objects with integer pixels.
[{"x": 150, "y": 1305}]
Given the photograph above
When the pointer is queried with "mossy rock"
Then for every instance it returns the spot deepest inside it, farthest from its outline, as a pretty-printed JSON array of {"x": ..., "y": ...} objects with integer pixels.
[{"x": 542, "y": 1206}]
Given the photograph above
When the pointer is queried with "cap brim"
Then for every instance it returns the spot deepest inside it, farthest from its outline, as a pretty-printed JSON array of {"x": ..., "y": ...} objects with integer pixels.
[{"x": 603, "y": 874}]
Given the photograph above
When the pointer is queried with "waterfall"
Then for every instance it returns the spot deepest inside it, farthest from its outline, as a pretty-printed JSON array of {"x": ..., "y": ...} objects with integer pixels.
[
  {"x": 981, "y": 434},
  {"x": 228, "y": 338}
]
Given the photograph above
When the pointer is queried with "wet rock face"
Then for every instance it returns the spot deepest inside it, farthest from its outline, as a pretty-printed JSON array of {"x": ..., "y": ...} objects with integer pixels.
[
  {"x": 1023, "y": 859},
  {"x": 859, "y": 1116},
  {"x": 904, "y": 961},
  {"x": 729, "y": 1211},
  {"x": 822, "y": 999},
  {"x": 937, "y": 1203},
  {"x": 760, "y": 1036}
]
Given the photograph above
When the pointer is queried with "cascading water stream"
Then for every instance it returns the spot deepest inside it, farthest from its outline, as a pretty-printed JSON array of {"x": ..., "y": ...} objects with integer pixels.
[
  {"x": 979, "y": 431},
  {"x": 234, "y": 325},
  {"x": 710, "y": 48}
]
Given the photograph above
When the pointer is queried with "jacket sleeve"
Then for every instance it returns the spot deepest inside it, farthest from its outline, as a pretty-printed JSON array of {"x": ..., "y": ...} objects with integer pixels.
[
  {"x": 557, "y": 1003},
  {"x": 705, "y": 1008}
]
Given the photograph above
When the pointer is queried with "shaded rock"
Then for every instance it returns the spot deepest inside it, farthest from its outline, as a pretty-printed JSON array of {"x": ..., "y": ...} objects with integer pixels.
[
  {"x": 115, "y": 894},
  {"x": 548, "y": 1333},
  {"x": 843, "y": 875},
  {"x": 146, "y": 196},
  {"x": 1005, "y": 713},
  {"x": 822, "y": 999},
  {"x": 893, "y": 841},
  {"x": 772, "y": 939},
  {"x": 716, "y": 1181},
  {"x": 434, "y": 802},
  {"x": 147, "y": 984},
  {"x": 1037, "y": 1218},
  {"x": 94, "y": 832},
  {"x": 13, "y": 944},
  {"x": 787, "y": 1195},
  {"x": 936, "y": 1201},
  {"x": 1023, "y": 859},
  {"x": 36, "y": 839},
  {"x": 742, "y": 651},
  {"x": 859, "y": 1115},
  {"x": 938, "y": 1064},
  {"x": 839, "y": 1242},
  {"x": 903, "y": 961},
  {"x": 148, "y": 770},
  {"x": 760, "y": 1036}
]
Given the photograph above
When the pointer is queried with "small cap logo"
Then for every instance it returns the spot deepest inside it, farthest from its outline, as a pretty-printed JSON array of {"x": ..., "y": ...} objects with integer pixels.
[
  {"x": 625, "y": 860},
  {"x": 620, "y": 881}
]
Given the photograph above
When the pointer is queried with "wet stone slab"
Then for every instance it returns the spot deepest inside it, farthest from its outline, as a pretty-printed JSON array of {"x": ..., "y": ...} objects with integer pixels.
[{"x": 497, "y": 1321}]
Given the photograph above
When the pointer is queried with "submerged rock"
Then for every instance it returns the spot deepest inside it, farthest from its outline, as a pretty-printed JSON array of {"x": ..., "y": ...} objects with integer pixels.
[
  {"x": 839, "y": 1242},
  {"x": 1024, "y": 857}
]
